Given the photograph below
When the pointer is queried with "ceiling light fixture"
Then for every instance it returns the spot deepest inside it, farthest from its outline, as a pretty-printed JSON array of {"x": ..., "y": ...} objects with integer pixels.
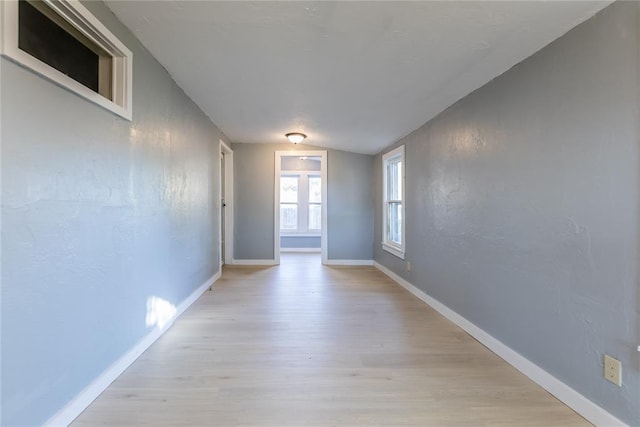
[{"x": 296, "y": 137}]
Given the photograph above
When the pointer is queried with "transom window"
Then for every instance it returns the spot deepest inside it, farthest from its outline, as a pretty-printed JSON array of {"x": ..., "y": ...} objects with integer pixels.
[
  {"x": 300, "y": 202},
  {"x": 62, "y": 41},
  {"x": 393, "y": 239}
]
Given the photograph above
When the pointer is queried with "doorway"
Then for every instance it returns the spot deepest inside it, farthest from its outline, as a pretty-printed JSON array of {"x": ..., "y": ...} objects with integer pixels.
[
  {"x": 300, "y": 214},
  {"x": 225, "y": 204}
]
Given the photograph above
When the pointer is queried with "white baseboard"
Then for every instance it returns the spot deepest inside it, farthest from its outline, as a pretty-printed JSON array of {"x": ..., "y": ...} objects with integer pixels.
[
  {"x": 287, "y": 250},
  {"x": 570, "y": 397},
  {"x": 254, "y": 262},
  {"x": 349, "y": 262},
  {"x": 71, "y": 410}
]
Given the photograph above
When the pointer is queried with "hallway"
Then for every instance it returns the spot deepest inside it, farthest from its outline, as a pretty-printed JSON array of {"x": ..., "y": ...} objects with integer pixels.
[{"x": 304, "y": 344}]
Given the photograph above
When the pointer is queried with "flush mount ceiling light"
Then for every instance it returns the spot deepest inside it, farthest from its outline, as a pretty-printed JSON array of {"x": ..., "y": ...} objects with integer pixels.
[{"x": 296, "y": 137}]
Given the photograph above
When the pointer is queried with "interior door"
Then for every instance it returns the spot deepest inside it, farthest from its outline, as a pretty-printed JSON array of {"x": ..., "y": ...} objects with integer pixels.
[{"x": 222, "y": 206}]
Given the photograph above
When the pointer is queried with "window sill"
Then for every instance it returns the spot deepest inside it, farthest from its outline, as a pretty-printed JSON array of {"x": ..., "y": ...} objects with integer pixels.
[
  {"x": 284, "y": 234},
  {"x": 393, "y": 250}
]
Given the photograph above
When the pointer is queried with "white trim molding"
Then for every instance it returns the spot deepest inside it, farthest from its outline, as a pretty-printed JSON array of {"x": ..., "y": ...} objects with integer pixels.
[
  {"x": 570, "y": 397},
  {"x": 256, "y": 262},
  {"x": 395, "y": 248},
  {"x": 73, "y": 408},
  {"x": 353, "y": 262},
  {"x": 228, "y": 205},
  {"x": 308, "y": 250},
  {"x": 276, "y": 196},
  {"x": 83, "y": 21}
]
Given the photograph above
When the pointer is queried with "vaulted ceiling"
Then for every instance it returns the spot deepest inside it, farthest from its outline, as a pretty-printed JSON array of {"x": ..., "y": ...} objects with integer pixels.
[{"x": 355, "y": 76}]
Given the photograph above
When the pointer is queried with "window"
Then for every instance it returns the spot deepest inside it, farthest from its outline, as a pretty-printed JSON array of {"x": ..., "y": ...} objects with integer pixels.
[
  {"x": 289, "y": 203},
  {"x": 393, "y": 209},
  {"x": 300, "y": 203},
  {"x": 64, "y": 42},
  {"x": 315, "y": 203}
]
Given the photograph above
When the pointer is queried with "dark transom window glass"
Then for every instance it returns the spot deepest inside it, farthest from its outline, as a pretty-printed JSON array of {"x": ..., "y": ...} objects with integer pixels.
[{"x": 49, "y": 38}]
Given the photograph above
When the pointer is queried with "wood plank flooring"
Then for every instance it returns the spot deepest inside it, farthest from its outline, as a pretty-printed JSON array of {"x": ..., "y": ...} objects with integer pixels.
[{"x": 306, "y": 345}]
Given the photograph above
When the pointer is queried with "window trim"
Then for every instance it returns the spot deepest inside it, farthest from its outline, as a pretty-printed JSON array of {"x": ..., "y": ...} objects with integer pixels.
[
  {"x": 388, "y": 245},
  {"x": 303, "y": 203},
  {"x": 83, "y": 21},
  {"x": 309, "y": 203},
  {"x": 296, "y": 203}
]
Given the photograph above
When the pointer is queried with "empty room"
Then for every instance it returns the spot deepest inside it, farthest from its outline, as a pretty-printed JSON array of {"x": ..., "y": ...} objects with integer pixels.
[{"x": 319, "y": 213}]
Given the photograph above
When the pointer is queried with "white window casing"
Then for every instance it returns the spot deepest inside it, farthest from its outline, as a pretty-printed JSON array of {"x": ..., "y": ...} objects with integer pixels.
[
  {"x": 393, "y": 209},
  {"x": 82, "y": 21},
  {"x": 303, "y": 204}
]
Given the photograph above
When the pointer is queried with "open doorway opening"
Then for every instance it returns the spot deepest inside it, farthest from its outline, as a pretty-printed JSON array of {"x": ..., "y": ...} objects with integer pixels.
[
  {"x": 226, "y": 204},
  {"x": 301, "y": 203}
]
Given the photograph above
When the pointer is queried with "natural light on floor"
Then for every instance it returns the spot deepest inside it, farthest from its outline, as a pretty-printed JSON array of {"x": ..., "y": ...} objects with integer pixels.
[{"x": 160, "y": 312}]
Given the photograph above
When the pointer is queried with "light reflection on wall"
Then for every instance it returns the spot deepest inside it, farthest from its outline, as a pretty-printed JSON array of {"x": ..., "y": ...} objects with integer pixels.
[
  {"x": 160, "y": 312},
  {"x": 452, "y": 187},
  {"x": 468, "y": 142}
]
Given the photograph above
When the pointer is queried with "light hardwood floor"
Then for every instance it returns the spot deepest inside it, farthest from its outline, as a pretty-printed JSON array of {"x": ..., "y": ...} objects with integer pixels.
[{"x": 305, "y": 345}]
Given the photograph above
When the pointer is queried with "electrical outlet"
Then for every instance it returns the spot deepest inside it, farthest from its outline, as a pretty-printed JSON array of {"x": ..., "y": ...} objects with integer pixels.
[
  {"x": 613, "y": 370},
  {"x": 408, "y": 265}
]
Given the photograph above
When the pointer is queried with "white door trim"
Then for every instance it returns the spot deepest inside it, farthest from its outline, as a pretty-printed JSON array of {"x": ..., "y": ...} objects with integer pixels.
[
  {"x": 228, "y": 217},
  {"x": 276, "y": 206}
]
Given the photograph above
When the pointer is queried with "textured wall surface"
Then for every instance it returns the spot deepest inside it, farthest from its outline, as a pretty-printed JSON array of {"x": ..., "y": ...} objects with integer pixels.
[
  {"x": 98, "y": 215},
  {"x": 350, "y": 201},
  {"x": 522, "y": 208},
  {"x": 350, "y": 206}
]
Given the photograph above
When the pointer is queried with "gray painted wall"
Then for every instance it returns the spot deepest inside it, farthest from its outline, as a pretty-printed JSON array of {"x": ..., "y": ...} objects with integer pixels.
[
  {"x": 522, "y": 208},
  {"x": 98, "y": 214},
  {"x": 288, "y": 242},
  {"x": 349, "y": 205}
]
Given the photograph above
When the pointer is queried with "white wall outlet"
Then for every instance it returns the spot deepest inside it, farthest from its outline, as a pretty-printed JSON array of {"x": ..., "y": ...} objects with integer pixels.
[
  {"x": 613, "y": 370},
  {"x": 408, "y": 265}
]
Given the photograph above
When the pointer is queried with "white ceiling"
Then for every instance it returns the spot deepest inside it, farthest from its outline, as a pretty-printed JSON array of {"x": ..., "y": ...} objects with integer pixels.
[{"x": 355, "y": 76}]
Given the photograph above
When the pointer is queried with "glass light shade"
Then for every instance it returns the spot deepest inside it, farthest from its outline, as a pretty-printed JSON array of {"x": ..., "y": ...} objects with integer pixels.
[{"x": 296, "y": 137}]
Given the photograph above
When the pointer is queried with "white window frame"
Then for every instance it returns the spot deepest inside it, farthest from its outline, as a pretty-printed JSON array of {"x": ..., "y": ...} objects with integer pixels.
[
  {"x": 296, "y": 175},
  {"x": 310, "y": 203},
  {"x": 302, "y": 204},
  {"x": 82, "y": 20},
  {"x": 388, "y": 245}
]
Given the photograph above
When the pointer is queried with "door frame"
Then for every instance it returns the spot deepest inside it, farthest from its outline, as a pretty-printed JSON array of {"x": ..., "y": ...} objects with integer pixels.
[
  {"x": 276, "y": 207},
  {"x": 228, "y": 204}
]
